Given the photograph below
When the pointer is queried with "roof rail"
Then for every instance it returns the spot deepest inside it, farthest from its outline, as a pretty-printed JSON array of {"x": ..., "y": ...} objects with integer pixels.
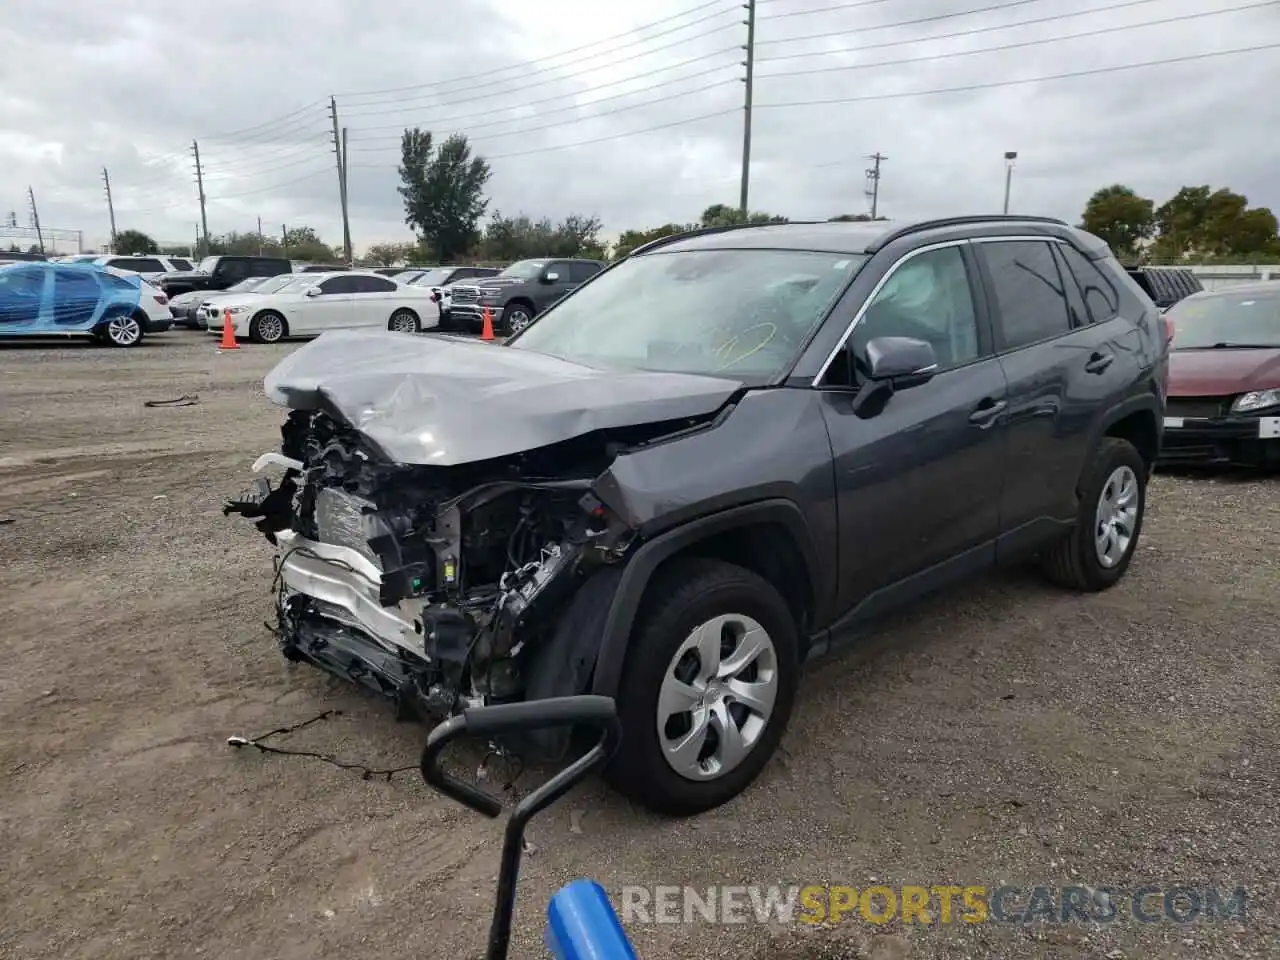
[
  {"x": 706, "y": 231},
  {"x": 910, "y": 228}
]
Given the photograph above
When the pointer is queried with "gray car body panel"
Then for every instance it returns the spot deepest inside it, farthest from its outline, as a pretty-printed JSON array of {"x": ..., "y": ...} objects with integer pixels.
[{"x": 441, "y": 401}]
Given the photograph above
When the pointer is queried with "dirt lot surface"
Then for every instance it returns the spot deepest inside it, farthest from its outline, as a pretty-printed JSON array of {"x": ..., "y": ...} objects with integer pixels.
[{"x": 1007, "y": 733}]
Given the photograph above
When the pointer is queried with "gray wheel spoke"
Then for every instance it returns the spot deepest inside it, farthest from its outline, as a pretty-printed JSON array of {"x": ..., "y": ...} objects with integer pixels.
[
  {"x": 711, "y": 718},
  {"x": 683, "y": 752},
  {"x": 756, "y": 697},
  {"x": 1116, "y": 516},
  {"x": 753, "y": 643}
]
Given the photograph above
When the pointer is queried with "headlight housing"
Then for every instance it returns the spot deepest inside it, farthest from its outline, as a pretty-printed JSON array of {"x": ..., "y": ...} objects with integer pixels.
[
  {"x": 1256, "y": 400},
  {"x": 236, "y": 311}
]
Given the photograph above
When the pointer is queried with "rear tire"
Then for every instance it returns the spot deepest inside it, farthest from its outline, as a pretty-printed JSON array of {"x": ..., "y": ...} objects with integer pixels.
[
  {"x": 268, "y": 327},
  {"x": 404, "y": 320},
  {"x": 123, "y": 330},
  {"x": 734, "y": 609},
  {"x": 1113, "y": 501}
]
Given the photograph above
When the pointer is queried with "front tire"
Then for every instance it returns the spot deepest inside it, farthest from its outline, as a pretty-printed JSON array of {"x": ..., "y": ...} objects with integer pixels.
[
  {"x": 708, "y": 687},
  {"x": 268, "y": 327},
  {"x": 1098, "y": 550},
  {"x": 515, "y": 317}
]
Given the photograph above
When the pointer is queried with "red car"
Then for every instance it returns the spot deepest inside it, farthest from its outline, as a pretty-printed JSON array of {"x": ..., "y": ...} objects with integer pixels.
[{"x": 1224, "y": 377}]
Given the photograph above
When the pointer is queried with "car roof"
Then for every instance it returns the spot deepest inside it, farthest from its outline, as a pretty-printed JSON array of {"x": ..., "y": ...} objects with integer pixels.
[
  {"x": 842, "y": 236},
  {"x": 1265, "y": 288}
]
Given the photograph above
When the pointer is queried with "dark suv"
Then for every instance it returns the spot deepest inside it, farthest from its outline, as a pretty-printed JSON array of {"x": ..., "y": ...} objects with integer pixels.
[
  {"x": 219, "y": 273},
  {"x": 721, "y": 457},
  {"x": 519, "y": 293}
]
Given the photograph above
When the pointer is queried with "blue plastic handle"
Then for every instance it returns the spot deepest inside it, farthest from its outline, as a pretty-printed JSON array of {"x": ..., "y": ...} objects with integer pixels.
[{"x": 582, "y": 925}]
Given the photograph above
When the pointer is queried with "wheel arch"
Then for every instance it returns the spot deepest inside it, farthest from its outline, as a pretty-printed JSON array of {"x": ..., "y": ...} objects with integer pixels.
[
  {"x": 769, "y": 537},
  {"x": 1137, "y": 420},
  {"x": 276, "y": 311}
]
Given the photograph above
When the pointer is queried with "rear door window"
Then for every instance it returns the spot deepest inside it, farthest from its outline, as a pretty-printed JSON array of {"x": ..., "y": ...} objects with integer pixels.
[
  {"x": 1100, "y": 296},
  {"x": 1030, "y": 295},
  {"x": 579, "y": 272}
]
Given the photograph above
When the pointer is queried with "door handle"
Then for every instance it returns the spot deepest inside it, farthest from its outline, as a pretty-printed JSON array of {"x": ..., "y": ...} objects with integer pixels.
[
  {"x": 1098, "y": 362},
  {"x": 987, "y": 412}
]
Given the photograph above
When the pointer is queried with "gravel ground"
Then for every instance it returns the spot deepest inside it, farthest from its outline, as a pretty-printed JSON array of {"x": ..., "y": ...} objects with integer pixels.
[{"x": 1005, "y": 733}]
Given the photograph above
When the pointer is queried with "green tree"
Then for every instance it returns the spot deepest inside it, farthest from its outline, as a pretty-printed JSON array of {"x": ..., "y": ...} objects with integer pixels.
[
  {"x": 443, "y": 192},
  {"x": 1203, "y": 222},
  {"x": 521, "y": 237},
  {"x": 723, "y": 215},
  {"x": 1120, "y": 217},
  {"x": 631, "y": 239},
  {"x": 856, "y": 218},
  {"x": 134, "y": 241},
  {"x": 390, "y": 254}
]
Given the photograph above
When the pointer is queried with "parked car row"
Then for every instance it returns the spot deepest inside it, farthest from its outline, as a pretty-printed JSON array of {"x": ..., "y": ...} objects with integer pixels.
[{"x": 305, "y": 305}]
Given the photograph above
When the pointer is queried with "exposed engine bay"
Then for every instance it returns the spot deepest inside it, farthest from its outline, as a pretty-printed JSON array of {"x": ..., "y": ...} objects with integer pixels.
[{"x": 431, "y": 585}]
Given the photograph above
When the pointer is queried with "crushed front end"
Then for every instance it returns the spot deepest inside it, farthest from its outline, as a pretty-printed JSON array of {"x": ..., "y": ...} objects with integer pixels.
[{"x": 431, "y": 585}]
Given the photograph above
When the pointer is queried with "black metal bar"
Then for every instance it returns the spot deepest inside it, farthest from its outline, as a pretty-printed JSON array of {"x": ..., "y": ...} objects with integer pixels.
[{"x": 561, "y": 711}]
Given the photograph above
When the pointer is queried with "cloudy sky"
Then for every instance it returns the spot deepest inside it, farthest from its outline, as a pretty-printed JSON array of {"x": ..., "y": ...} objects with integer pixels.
[{"x": 628, "y": 111}]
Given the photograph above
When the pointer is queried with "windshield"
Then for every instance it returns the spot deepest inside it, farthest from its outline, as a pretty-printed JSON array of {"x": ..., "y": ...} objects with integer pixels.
[
  {"x": 431, "y": 278},
  {"x": 743, "y": 313},
  {"x": 1248, "y": 320},
  {"x": 280, "y": 282},
  {"x": 251, "y": 283},
  {"x": 207, "y": 264},
  {"x": 524, "y": 269}
]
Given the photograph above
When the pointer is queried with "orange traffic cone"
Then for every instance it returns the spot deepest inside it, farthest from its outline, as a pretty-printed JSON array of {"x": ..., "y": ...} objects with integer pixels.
[
  {"x": 228, "y": 332},
  {"x": 486, "y": 332}
]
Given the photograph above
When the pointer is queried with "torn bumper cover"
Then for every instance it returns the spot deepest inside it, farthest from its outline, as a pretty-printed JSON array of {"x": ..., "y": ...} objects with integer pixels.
[{"x": 438, "y": 510}]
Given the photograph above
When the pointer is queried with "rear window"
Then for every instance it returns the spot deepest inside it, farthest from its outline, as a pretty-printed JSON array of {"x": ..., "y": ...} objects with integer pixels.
[{"x": 179, "y": 264}]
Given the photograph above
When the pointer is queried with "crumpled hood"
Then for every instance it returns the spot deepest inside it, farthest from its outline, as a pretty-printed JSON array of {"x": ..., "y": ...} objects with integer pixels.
[
  {"x": 444, "y": 401},
  {"x": 1221, "y": 373}
]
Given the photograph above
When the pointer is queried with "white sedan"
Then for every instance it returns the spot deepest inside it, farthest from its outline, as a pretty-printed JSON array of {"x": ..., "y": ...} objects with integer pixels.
[{"x": 330, "y": 301}]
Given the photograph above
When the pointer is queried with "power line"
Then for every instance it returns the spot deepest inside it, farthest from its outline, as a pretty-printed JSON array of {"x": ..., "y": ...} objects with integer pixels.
[
  {"x": 564, "y": 96},
  {"x": 251, "y": 157},
  {"x": 1013, "y": 83},
  {"x": 327, "y": 171},
  {"x": 583, "y": 143},
  {"x": 522, "y": 84},
  {"x": 1027, "y": 43},
  {"x": 555, "y": 56},
  {"x": 595, "y": 116},
  {"x": 266, "y": 123},
  {"x": 973, "y": 31},
  {"x": 839, "y": 6},
  {"x": 257, "y": 172},
  {"x": 827, "y": 34}
]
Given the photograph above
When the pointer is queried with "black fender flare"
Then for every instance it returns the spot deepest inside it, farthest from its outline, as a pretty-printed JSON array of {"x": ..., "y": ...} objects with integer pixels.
[
  {"x": 1140, "y": 403},
  {"x": 639, "y": 570}
]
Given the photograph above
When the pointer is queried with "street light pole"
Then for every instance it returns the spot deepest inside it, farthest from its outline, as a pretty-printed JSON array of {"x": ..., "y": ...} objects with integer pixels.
[{"x": 1009, "y": 157}]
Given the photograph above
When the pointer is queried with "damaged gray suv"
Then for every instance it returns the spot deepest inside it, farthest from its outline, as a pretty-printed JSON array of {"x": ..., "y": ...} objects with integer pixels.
[{"x": 716, "y": 460}]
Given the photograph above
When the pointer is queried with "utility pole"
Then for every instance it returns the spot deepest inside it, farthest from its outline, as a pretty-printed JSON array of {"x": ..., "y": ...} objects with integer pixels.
[
  {"x": 750, "y": 64},
  {"x": 284, "y": 239},
  {"x": 35, "y": 218},
  {"x": 342, "y": 177},
  {"x": 346, "y": 202},
  {"x": 204, "y": 218},
  {"x": 873, "y": 182},
  {"x": 259, "y": 236},
  {"x": 111, "y": 210},
  {"x": 1009, "y": 157}
]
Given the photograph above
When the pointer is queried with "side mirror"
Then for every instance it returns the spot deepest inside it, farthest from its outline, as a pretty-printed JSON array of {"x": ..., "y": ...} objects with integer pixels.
[
  {"x": 551, "y": 277},
  {"x": 896, "y": 358},
  {"x": 313, "y": 291},
  {"x": 891, "y": 364}
]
